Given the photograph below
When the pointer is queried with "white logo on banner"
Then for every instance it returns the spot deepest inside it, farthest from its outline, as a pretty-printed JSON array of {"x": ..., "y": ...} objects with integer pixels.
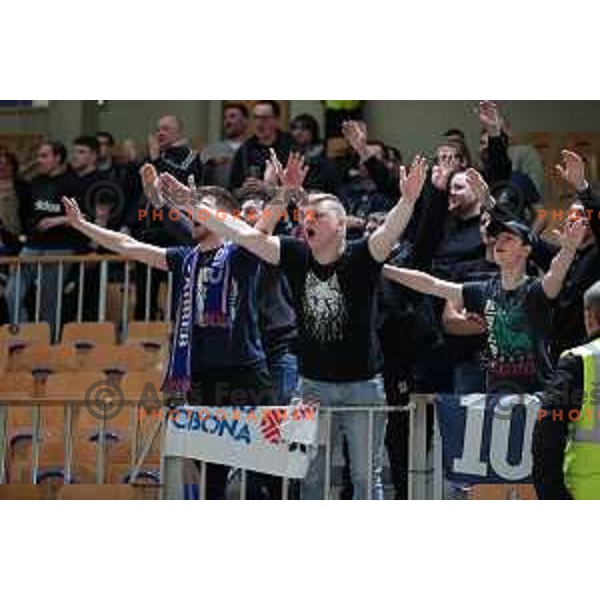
[
  {"x": 470, "y": 463},
  {"x": 274, "y": 440}
]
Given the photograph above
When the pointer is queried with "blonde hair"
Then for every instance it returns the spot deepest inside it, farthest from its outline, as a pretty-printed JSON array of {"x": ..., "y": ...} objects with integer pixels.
[{"x": 333, "y": 202}]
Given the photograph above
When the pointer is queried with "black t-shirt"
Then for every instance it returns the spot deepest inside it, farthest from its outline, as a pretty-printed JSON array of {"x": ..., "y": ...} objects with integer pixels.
[
  {"x": 336, "y": 309},
  {"x": 45, "y": 201},
  {"x": 460, "y": 255},
  {"x": 518, "y": 323},
  {"x": 251, "y": 158},
  {"x": 88, "y": 190}
]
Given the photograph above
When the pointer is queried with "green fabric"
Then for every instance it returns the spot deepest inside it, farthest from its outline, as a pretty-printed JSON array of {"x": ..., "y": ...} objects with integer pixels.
[{"x": 342, "y": 104}]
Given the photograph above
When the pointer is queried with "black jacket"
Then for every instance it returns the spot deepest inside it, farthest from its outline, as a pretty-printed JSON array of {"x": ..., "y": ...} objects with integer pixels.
[
  {"x": 567, "y": 325},
  {"x": 563, "y": 393},
  {"x": 253, "y": 155},
  {"x": 181, "y": 162},
  {"x": 497, "y": 166}
]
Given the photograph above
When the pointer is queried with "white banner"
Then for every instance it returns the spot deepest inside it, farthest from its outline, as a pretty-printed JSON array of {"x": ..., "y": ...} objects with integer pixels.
[{"x": 277, "y": 440}]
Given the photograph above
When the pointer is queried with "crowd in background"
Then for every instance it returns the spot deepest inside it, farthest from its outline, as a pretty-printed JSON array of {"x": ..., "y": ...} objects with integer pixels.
[{"x": 426, "y": 346}]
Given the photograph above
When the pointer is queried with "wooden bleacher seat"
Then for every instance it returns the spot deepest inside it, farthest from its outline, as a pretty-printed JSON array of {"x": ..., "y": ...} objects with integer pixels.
[
  {"x": 135, "y": 383},
  {"x": 119, "y": 358},
  {"x": 101, "y": 358},
  {"x": 21, "y": 491},
  {"x": 14, "y": 339},
  {"x": 17, "y": 384},
  {"x": 98, "y": 492},
  {"x": 26, "y": 333},
  {"x": 71, "y": 386},
  {"x": 44, "y": 357},
  {"x": 152, "y": 331},
  {"x": 3, "y": 358},
  {"x": 79, "y": 491},
  {"x": 518, "y": 491},
  {"x": 85, "y": 335}
]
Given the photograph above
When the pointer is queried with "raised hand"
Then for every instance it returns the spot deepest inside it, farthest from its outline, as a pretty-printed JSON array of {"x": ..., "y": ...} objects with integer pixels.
[
  {"x": 129, "y": 150},
  {"x": 440, "y": 175},
  {"x": 294, "y": 174},
  {"x": 73, "y": 214},
  {"x": 355, "y": 133},
  {"x": 411, "y": 182},
  {"x": 150, "y": 185},
  {"x": 273, "y": 169},
  {"x": 173, "y": 190},
  {"x": 479, "y": 186},
  {"x": 573, "y": 233},
  {"x": 153, "y": 147},
  {"x": 572, "y": 169},
  {"x": 489, "y": 117}
]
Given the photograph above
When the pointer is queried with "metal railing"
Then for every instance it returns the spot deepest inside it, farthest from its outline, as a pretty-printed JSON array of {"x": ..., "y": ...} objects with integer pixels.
[
  {"x": 425, "y": 476},
  {"x": 29, "y": 271}
]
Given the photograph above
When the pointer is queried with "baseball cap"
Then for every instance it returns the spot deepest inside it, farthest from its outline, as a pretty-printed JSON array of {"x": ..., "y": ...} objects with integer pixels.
[{"x": 515, "y": 227}]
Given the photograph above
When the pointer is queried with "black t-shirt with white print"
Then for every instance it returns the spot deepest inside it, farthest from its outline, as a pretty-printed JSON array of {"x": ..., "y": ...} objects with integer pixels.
[
  {"x": 518, "y": 323},
  {"x": 336, "y": 309}
]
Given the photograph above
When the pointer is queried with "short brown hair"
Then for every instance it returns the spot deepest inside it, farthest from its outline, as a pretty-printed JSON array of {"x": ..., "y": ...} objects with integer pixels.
[
  {"x": 224, "y": 199},
  {"x": 459, "y": 145}
]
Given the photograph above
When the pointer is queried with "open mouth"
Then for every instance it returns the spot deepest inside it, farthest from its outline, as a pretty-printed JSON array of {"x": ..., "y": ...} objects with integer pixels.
[{"x": 310, "y": 233}]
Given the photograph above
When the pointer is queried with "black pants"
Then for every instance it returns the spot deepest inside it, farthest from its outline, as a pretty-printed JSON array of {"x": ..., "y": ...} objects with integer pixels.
[
  {"x": 246, "y": 385},
  {"x": 397, "y": 393}
]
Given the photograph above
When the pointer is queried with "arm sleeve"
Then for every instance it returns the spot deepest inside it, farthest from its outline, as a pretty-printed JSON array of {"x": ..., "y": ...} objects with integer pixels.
[
  {"x": 591, "y": 201},
  {"x": 542, "y": 253},
  {"x": 562, "y": 393},
  {"x": 175, "y": 257},
  {"x": 499, "y": 166},
  {"x": 294, "y": 254},
  {"x": 540, "y": 308},
  {"x": 474, "y": 296},
  {"x": 430, "y": 228}
]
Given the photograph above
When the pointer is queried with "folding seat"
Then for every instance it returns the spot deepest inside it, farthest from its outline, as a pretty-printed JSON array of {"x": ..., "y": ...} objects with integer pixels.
[
  {"x": 88, "y": 334},
  {"x": 149, "y": 333},
  {"x": 14, "y": 339}
]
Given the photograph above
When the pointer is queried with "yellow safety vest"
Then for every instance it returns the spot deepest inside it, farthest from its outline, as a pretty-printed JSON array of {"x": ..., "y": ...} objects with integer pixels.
[
  {"x": 582, "y": 454},
  {"x": 342, "y": 104}
]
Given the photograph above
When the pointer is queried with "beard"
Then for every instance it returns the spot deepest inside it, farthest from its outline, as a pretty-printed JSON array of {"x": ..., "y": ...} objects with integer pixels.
[{"x": 200, "y": 234}]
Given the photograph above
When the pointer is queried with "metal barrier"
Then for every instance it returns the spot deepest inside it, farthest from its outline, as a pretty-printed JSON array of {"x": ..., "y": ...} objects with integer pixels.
[
  {"x": 425, "y": 477},
  {"x": 29, "y": 271}
]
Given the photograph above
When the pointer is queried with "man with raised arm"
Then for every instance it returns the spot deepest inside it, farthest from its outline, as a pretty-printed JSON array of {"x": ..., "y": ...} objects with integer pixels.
[
  {"x": 333, "y": 285},
  {"x": 516, "y": 308},
  {"x": 216, "y": 354}
]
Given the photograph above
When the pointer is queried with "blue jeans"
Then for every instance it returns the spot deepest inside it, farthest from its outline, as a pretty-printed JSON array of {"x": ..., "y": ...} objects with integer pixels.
[
  {"x": 354, "y": 426},
  {"x": 284, "y": 372}
]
